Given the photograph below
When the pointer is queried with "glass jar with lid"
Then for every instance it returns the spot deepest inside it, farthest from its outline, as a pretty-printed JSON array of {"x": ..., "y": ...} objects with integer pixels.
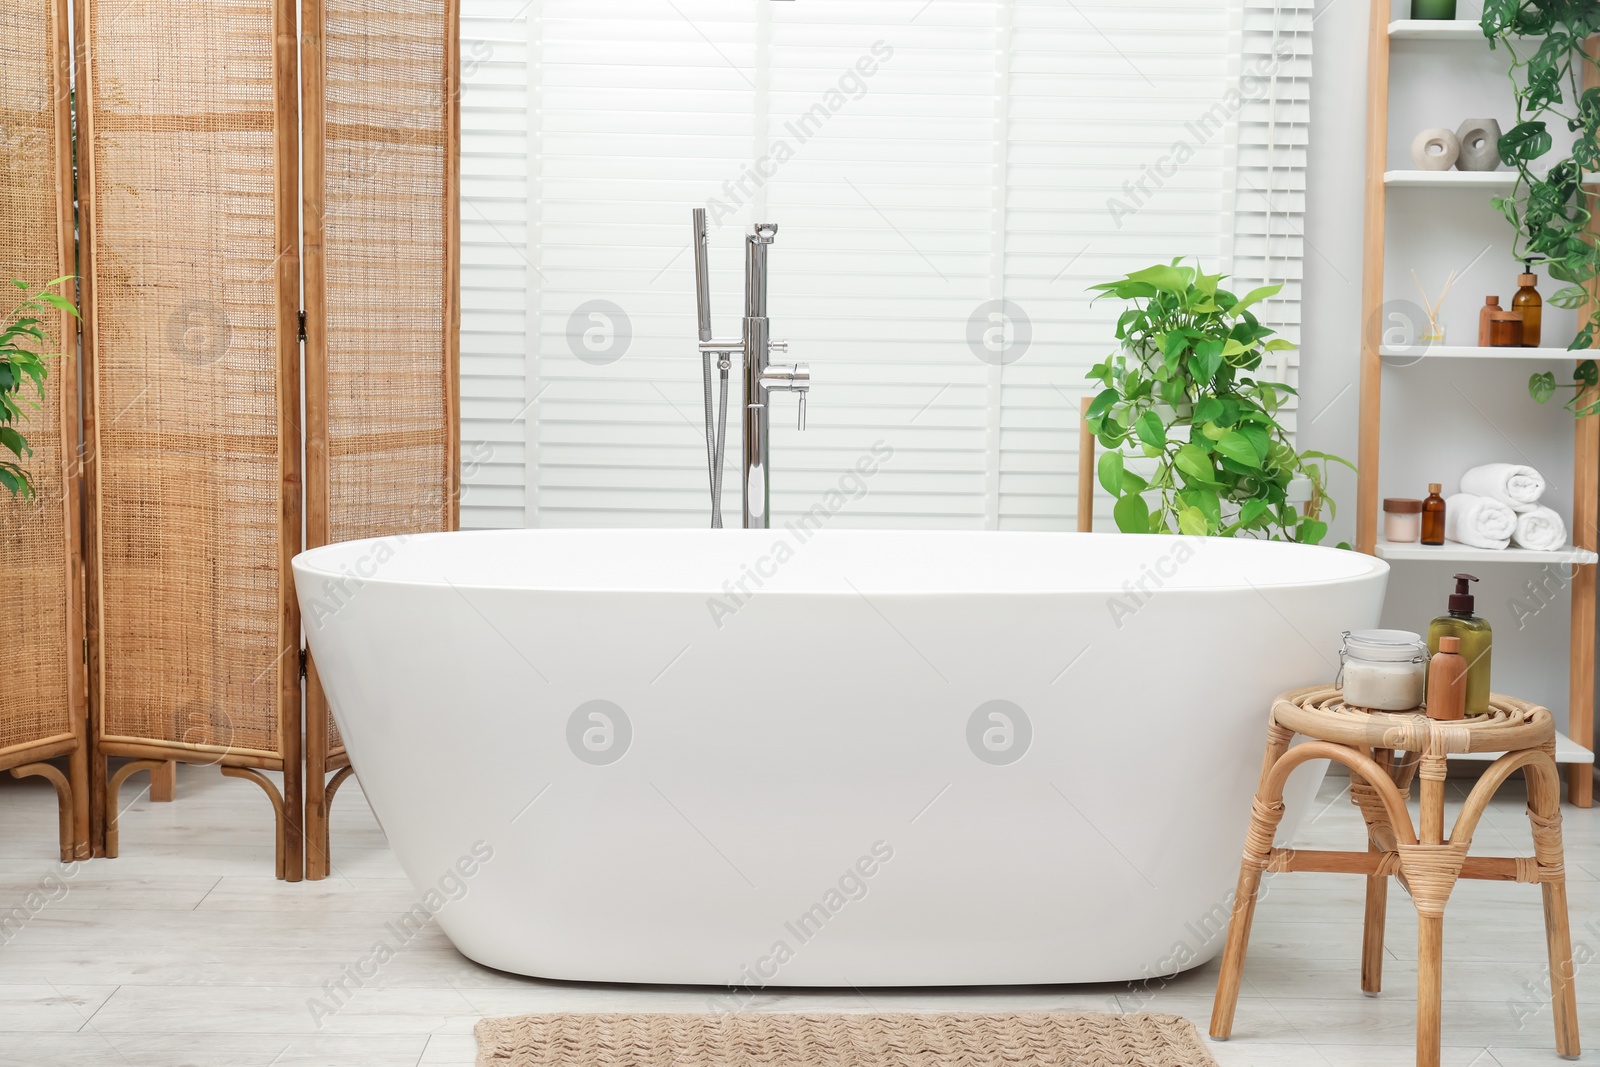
[
  {"x": 1383, "y": 670},
  {"x": 1402, "y": 520}
]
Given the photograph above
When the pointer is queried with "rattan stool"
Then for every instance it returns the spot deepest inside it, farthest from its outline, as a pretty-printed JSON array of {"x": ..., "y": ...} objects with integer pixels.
[{"x": 1426, "y": 863}]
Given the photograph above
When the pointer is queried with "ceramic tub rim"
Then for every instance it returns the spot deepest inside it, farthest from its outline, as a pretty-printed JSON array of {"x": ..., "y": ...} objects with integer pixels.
[{"x": 322, "y": 562}]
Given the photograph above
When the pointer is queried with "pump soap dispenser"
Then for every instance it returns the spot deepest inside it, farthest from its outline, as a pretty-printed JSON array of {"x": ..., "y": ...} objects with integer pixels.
[{"x": 1476, "y": 641}]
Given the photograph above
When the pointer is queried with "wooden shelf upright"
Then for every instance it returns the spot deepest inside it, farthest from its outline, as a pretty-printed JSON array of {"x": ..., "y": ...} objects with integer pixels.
[{"x": 1577, "y": 758}]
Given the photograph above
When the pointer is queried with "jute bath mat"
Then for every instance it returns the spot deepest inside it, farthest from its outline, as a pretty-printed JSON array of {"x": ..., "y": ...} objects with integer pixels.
[{"x": 791, "y": 1040}]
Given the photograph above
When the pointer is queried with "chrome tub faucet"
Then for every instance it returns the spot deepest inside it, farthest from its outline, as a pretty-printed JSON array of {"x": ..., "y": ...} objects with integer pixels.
[{"x": 761, "y": 376}]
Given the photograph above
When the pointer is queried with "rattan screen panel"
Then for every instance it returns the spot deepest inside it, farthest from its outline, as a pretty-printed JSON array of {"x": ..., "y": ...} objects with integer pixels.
[
  {"x": 385, "y": 235},
  {"x": 382, "y": 449},
  {"x": 39, "y": 652},
  {"x": 185, "y": 120}
]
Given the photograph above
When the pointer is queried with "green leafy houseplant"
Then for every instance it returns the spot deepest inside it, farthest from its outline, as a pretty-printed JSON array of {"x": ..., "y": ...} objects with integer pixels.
[
  {"x": 1181, "y": 402},
  {"x": 1550, "y": 212},
  {"x": 22, "y": 365}
]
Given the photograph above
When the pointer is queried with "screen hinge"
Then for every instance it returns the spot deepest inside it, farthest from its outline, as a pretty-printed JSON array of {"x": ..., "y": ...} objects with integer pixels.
[
  {"x": 302, "y": 663},
  {"x": 302, "y": 327}
]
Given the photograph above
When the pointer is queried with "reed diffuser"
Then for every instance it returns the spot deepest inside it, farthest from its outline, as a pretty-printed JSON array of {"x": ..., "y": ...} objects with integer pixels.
[{"x": 1433, "y": 333}]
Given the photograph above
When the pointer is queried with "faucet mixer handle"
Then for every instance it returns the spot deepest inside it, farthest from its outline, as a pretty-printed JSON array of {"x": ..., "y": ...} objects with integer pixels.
[{"x": 800, "y": 383}]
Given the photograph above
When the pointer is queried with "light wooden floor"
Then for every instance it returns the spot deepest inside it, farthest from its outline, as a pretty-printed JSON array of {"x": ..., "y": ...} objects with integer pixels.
[{"x": 186, "y": 951}]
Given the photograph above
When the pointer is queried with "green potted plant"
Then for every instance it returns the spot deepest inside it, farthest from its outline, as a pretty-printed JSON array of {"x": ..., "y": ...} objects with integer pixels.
[
  {"x": 1549, "y": 210},
  {"x": 23, "y": 369},
  {"x": 1194, "y": 445}
]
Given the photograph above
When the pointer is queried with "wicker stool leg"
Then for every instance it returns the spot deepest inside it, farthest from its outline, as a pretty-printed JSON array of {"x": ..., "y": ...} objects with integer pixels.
[
  {"x": 1377, "y": 913},
  {"x": 1264, "y": 818},
  {"x": 1544, "y": 813},
  {"x": 1430, "y": 968},
  {"x": 1264, "y": 821},
  {"x": 1372, "y": 928},
  {"x": 1429, "y": 920},
  {"x": 1563, "y": 995},
  {"x": 1430, "y": 914}
]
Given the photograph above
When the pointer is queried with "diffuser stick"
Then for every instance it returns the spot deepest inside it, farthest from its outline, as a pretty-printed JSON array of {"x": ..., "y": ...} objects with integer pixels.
[
  {"x": 1448, "y": 282},
  {"x": 1420, "y": 290}
]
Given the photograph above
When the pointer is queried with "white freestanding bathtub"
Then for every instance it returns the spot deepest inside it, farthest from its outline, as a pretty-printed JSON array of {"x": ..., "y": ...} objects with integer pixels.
[{"x": 822, "y": 758}]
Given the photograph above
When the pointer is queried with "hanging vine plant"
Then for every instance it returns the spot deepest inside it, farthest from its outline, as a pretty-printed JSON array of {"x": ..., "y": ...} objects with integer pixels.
[{"x": 1549, "y": 210}]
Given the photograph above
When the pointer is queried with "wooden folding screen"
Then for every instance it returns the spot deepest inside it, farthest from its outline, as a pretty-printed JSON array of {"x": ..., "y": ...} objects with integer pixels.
[
  {"x": 382, "y": 253},
  {"x": 42, "y": 703},
  {"x": 188, "y": 154}
]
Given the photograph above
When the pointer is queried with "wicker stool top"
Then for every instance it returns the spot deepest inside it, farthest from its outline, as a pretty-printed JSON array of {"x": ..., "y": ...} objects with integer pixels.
[{"x": 1319, "y": 711}]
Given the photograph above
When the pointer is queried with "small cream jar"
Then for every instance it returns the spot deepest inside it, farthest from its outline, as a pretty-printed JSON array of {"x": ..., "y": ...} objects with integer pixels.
[
  {"x": 1402, "y": 520},
  {"x": 1383, "y": 670}
]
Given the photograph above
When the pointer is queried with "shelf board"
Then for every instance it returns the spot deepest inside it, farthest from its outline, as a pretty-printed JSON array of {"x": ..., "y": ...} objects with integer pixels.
[
  {"x": 1436, "y": 30},
  {"x": 1449, "y": 179},
  {"x": 1473, "y": 352},
  {"x": 1567, "y": 751},
  {"x": 1451, "y": 552}
]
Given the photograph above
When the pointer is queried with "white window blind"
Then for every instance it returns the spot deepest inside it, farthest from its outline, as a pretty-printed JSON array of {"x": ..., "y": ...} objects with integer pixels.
[{"x": 948, "y": 178}]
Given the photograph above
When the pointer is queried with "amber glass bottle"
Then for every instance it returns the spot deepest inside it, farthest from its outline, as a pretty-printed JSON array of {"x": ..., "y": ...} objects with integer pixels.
[
  {"x": 1433, "y": 516},
  {"x": 1527, "y": 301}
]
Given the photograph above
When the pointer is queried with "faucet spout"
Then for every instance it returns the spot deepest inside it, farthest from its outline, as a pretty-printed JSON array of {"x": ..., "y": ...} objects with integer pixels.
[{"x": 793, "y": 377}]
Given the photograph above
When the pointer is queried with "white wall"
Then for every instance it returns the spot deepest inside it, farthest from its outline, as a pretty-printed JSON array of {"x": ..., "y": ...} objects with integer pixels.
[{"x": 1438, "y": 419}]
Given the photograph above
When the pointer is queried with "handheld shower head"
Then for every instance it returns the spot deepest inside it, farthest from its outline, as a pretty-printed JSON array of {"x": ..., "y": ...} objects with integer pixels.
[{"x": 702, "y": 273}]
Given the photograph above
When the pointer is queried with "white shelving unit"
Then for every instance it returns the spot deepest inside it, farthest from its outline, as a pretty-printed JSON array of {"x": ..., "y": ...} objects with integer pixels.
[
  {"x": 1451, "y": 552},
  {"x": 1473, "y": 352},
  {"x": 1449, "y": 179},
  {"x": 1417, "y": 193},
  {"x": 1434, "y": 30}
]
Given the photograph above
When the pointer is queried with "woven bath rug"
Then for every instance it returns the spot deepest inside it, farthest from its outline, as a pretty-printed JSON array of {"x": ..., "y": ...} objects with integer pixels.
[{"x": 1046, "y": 1039}]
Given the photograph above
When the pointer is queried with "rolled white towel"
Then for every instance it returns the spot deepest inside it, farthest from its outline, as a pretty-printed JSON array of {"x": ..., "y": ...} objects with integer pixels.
[
  {"x": 1540, "y": 529},
  {"x": 1478, "y": 521},
  {"x": 1514, "y": 485}
]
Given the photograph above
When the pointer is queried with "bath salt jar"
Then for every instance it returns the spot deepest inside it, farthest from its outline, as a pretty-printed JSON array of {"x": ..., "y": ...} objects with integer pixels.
[
  {"x": 1383, "y": 670},
  {"x": 1402, "y": 520}
]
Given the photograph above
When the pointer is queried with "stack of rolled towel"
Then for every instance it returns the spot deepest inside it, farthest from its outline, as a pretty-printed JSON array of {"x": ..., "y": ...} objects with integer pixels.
[{"x": 1498, "y": 505}]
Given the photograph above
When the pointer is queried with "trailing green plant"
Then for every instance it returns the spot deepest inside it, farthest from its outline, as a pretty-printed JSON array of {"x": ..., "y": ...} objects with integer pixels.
[
  {"x": 23, "y": 365},
  {"x": 1549, "y": 211},
  {"x": 1193, "y": 441}
]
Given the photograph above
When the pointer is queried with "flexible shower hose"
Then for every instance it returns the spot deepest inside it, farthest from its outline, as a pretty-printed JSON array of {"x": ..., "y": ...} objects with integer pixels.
[{"x": 716, "y": 437}]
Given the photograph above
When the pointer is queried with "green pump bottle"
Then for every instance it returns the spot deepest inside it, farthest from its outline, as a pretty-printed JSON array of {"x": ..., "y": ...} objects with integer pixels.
[{"x": 1477, "y": 640}]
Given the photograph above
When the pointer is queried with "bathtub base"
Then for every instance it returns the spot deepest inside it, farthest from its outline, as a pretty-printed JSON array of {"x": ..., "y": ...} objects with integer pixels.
[
  {"x": 840, "y": 758},
  {"x": 903, "y": 924}
]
